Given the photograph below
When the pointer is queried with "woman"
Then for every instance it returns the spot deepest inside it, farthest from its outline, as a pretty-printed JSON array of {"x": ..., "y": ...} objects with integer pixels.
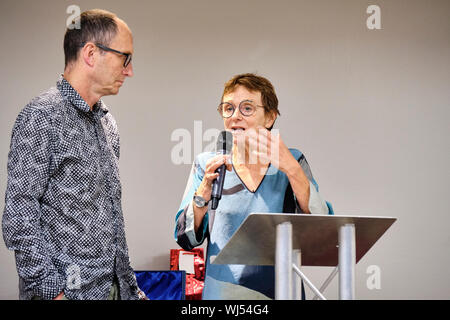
[{"x": 263, "y": 175}]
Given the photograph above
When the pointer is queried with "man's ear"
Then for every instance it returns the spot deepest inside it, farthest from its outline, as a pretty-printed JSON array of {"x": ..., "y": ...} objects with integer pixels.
[{"x": 87, "y": 54}]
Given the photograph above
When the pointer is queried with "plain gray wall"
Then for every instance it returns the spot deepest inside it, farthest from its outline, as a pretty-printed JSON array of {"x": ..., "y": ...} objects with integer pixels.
[{"x": 369, "y": 108}]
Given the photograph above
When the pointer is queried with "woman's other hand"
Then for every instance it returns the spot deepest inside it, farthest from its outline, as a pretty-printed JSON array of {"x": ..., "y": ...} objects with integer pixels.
[{"x": 268, "y": 147}]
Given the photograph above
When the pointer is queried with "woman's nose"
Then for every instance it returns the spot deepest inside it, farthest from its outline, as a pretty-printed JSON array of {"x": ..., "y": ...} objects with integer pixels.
[{"x": 237, "y": 114}]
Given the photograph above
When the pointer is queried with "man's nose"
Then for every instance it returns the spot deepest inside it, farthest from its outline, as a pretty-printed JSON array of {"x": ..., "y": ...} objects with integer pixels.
[{"x": 128, "y": 71}]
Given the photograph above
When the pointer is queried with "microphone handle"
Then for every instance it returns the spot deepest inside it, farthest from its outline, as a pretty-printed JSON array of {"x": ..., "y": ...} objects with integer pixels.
[
  {"x": 217, "y": 187},
  {"x": 214, "y": 203}
]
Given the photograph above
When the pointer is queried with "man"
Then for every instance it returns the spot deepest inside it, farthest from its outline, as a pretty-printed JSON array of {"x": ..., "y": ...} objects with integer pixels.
[{"x": 63, "y": 215}]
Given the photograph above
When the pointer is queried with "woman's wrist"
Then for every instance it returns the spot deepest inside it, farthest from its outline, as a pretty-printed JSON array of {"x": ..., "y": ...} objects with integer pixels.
[
  {"x": 204, "y": 190},
  {"x": 293, "y": 169}
]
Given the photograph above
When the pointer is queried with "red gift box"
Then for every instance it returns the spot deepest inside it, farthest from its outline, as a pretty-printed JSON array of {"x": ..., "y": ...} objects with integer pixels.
[{"x": 194, "y": 281}]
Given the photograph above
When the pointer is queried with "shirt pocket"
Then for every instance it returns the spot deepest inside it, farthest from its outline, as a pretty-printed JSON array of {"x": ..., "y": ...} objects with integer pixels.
[
  {"x": 68, "y": 170},
  {"x": 67, "y": 156}
]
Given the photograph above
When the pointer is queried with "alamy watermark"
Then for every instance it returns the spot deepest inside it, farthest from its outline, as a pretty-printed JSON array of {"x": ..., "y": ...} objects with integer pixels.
[
  {"x": 264, "y": 150},
  {"x": 374, "y": 279},
  {"x": 374, "y": 20},
  {"x": 73, "y": 21},
  {"x": 73, "y": 273}
]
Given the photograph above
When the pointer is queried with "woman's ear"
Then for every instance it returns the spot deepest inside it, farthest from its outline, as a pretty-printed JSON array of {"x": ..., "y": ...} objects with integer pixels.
[{"x": 270, "y": 120}]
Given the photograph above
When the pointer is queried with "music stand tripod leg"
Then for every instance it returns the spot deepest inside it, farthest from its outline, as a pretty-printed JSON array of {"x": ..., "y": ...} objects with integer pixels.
[
  {"x": 283, "y": 262},
  {"x": 347, "y": 261},
  {"x": 297, "y": 280}
]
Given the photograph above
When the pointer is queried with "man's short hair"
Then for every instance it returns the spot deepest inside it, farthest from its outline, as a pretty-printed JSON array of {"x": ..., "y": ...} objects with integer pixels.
[
  {"x": 253, "y": 82},
  {"x": 97, "y": 26}
]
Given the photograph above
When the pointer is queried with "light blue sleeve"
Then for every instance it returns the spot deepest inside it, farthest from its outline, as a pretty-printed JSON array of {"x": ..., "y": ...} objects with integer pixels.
[
  {"x": 316, "y": 204},
  {"x": 185, "y": 234}
]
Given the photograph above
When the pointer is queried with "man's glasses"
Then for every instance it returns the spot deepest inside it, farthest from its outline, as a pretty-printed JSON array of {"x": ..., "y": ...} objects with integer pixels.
[
  {"x": 128, "y": 56},
  {"x": 247, "y": 108}
]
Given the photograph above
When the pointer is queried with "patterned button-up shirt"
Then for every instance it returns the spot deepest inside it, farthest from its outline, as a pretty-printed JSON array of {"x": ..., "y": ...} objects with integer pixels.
[{"x": 63, "y": 215}]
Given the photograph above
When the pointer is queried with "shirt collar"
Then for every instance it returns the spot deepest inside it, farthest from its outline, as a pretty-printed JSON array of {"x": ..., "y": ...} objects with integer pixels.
[{"x": 72, "y": 95}]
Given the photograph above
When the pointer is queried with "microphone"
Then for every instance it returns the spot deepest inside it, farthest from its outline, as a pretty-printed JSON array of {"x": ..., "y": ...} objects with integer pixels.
[{"x": 223, "y": 146}]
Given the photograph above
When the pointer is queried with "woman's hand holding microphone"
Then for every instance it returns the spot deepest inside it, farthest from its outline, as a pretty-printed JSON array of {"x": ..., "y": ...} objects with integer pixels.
[{"x": 203, "y": 194}]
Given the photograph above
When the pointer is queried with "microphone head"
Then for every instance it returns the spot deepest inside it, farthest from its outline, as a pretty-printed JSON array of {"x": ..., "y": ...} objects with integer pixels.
[{"x": 224, "y": 142}]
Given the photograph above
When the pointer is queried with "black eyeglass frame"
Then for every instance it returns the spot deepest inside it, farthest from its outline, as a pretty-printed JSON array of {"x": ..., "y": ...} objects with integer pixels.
[
  {"x": 220, "y": 108},
  {"x": 128, "y": 56}
]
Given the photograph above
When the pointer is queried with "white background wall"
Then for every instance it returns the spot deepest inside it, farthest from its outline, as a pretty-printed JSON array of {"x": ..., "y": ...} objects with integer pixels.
[{"x": 369, "y": 108}]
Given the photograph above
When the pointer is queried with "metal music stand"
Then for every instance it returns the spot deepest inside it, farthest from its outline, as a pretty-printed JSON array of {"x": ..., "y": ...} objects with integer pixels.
[{"x": 291, "y": 240}]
